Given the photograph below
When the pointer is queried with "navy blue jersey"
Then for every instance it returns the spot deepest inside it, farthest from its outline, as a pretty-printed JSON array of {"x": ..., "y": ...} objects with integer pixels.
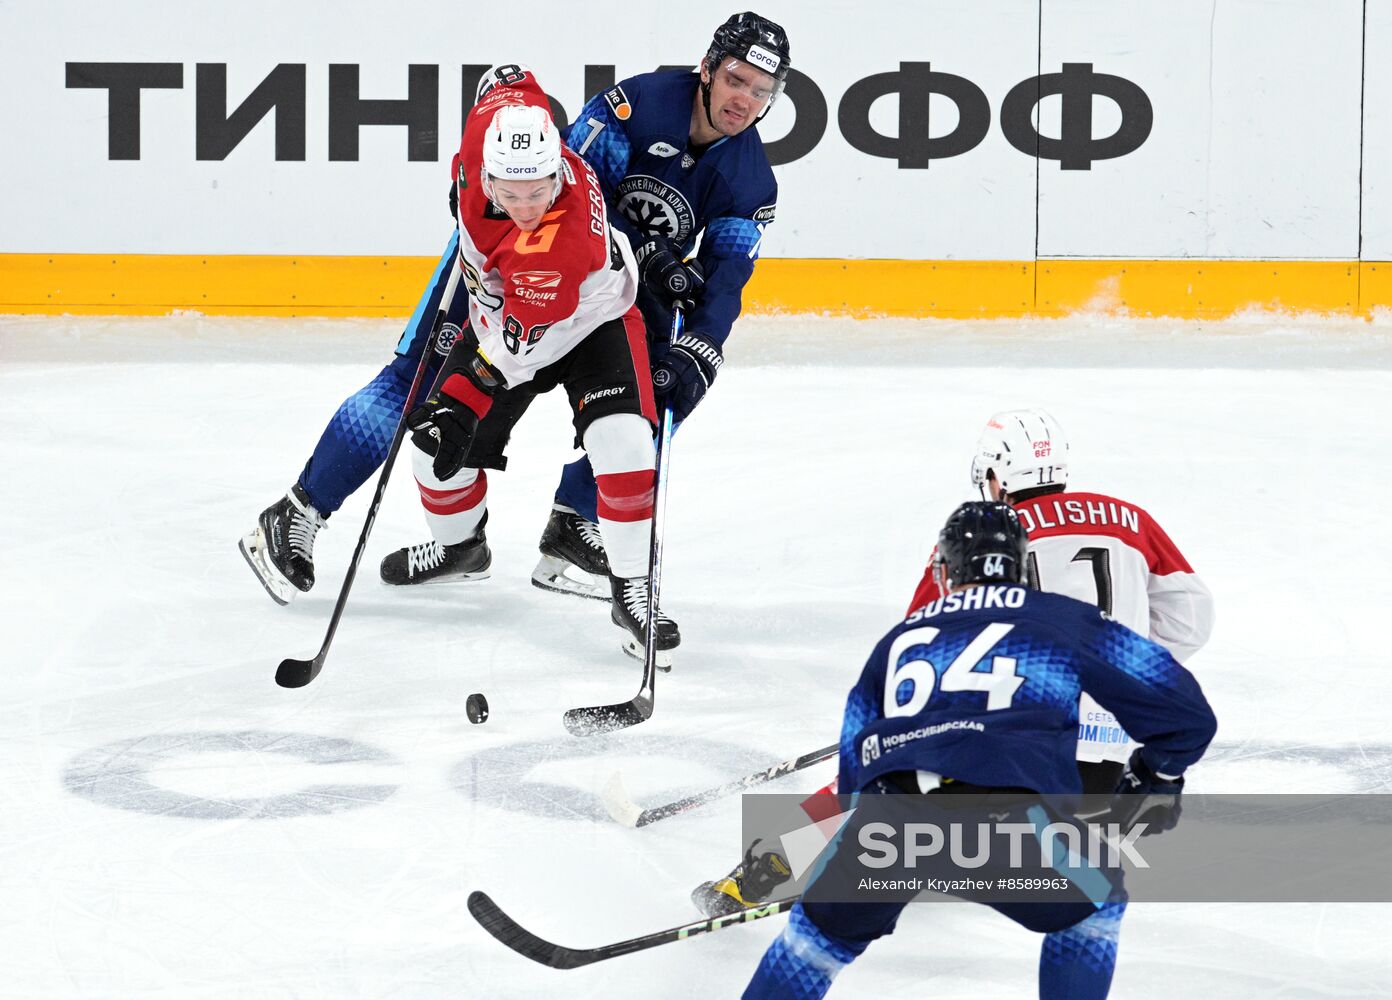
[
  {"x": 982, "y": 686},
  {"x": 636, "y": 135}
]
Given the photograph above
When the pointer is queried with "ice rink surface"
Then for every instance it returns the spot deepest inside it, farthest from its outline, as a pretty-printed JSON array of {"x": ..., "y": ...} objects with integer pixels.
[{"x": 172, "y": 824}]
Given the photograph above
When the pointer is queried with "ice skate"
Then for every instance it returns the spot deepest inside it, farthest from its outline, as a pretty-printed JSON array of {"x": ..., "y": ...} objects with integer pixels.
[
  {"x": 630, "y": 613},
  {"x": 431, "y": 562},
  {"x": 573, "y": 560},
  {"x": 280, "y": 549},
  {"x": 751, "y": 883}
]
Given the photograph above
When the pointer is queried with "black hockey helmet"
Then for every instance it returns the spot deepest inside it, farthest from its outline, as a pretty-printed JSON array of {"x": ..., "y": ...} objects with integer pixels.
[
  {"x": 753, "y": 39},
  {"x": 982, "y": 542}
]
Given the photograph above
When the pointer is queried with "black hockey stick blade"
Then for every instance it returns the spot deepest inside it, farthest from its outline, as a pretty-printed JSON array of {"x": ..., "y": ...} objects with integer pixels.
[
  {"x": 626, "y": 812},
  {"x": 297, "y": 673},
  {"x": 598, "y": 719},
  {"x": 558, "y": 956}
]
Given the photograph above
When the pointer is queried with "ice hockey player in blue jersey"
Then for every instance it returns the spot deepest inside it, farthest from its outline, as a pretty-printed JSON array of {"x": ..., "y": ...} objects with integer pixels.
[
  {"x": 679, "y": 157},
  {"x": 977, "y": 693}
]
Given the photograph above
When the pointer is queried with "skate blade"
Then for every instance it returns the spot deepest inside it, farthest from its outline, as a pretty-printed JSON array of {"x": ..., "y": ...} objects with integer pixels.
[
  {"x": 555, "y": 575},
  {"x": 662, "y": 659},
  {"x": 281, "y": 590},
  {"x": 482, "y": 574}
]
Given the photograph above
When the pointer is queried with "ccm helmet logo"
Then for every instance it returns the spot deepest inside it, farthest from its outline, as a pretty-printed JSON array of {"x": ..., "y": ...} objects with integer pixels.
[
  {"x": 521, "y": 170},
  {"x": 763, "y": 58}
]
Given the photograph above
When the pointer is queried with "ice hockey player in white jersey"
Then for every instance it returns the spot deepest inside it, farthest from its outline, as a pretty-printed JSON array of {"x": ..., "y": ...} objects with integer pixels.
[
  {"x": 1092, "y": 547},
  {"x": 551, "y": 303}
]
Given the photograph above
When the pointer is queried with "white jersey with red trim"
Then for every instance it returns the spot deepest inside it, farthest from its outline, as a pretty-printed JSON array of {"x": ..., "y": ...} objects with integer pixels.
[
  {"x": 533, "y": 296},
  {"x": 1113, "y": 554}
]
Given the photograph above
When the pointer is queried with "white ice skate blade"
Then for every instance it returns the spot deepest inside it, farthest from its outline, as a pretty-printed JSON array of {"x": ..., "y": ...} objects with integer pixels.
[
  {"x": 252, "y": 547},
  {"x": 662, "y": 660},
  {"x": 436, "y": 581},
  {"x": 561, "y": 577}
]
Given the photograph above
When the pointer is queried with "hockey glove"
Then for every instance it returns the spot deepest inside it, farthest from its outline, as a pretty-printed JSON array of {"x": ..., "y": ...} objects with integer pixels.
[
  {"x": 672, "y": 281},
  {"x": 682, "y": 375},
  {"x": 444, "y": 427},
  {"x": 454, "y": 200},
  {"x": 1142, "y": 796}
]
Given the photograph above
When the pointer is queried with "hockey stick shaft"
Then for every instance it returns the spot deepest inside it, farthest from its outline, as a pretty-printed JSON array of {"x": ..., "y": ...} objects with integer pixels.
[
  {"x": 297, "y": 673},
  {"x": 625, "y": 812},
  {"x": 597, "y": 719},
  {"x": 662, "y": 463},
  {"x": 528, "y": 945}
]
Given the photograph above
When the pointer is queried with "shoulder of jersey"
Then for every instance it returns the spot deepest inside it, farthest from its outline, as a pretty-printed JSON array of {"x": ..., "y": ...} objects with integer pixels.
[{"x": 645, "y": 103}]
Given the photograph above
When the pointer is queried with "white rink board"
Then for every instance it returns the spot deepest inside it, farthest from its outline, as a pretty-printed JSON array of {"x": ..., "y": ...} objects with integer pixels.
[
  {"x": 1377, "y": 135},
  {"x": 1254, "y": 151}
]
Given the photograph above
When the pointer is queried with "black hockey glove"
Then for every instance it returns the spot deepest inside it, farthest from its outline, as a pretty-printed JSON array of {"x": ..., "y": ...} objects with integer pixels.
[
  {"x": 682, "y": 375},
  {"x": 666, "y": 276},
  {"x": 444, "y": 427},
  {"x": 454, "y": 200},
  {"x": 1142, "y": 796}
]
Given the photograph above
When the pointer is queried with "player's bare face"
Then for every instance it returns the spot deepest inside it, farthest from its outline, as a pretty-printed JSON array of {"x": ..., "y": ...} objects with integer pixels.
[
  {"x": 739, "y": 94},
  {"x": 525, "y": 202}
]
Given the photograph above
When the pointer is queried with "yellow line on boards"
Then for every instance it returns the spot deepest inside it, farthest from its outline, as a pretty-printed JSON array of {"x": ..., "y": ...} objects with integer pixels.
[{"x": 158, "y": 284}]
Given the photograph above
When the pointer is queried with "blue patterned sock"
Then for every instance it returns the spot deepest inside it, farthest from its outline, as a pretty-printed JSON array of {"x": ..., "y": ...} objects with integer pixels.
[
  {"x": 358, "y": 436},
  {"x": 1077, "y": 963},
  {"x": 801, "y": 962}
]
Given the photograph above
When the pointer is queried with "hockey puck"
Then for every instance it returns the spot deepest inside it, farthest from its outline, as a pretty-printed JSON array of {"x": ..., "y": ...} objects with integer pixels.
[{"x": 477, "y": 708}]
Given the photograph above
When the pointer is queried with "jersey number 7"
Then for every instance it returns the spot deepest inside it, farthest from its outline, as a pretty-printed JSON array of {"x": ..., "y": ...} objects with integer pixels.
[{"x": 918, "y": 678}]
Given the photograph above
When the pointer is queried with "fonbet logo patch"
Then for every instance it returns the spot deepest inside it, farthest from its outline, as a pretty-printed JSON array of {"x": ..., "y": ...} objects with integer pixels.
[
  {"x": 763, "y": 58},
  {"x": 1042, "y": 448}
]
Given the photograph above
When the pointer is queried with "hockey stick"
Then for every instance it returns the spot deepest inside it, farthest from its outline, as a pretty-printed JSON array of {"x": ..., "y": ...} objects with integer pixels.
[
  {"x": 609, "y": 718},
  {"x": 558, "y": 956},
  {"x": 297, "y": 673},
  {"x": 627, "y": 812}
]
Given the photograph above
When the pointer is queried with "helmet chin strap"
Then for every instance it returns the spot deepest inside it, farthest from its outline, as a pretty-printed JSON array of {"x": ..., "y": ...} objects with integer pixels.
[{"x": 705, "y": 99}]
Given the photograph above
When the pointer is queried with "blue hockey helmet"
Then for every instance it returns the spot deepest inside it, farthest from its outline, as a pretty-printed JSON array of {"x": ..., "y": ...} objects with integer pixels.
[{"x": 982, "y": 542}]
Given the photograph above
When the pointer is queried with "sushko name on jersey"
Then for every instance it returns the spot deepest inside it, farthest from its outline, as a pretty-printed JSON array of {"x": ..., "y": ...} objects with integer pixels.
[{"x": 975, "y": 599}]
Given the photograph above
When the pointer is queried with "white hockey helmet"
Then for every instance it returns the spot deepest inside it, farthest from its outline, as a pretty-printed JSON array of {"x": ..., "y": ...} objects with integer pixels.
[
  {"x": 1026, "y": 449},
  {"x": 522, "y": 144}
]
